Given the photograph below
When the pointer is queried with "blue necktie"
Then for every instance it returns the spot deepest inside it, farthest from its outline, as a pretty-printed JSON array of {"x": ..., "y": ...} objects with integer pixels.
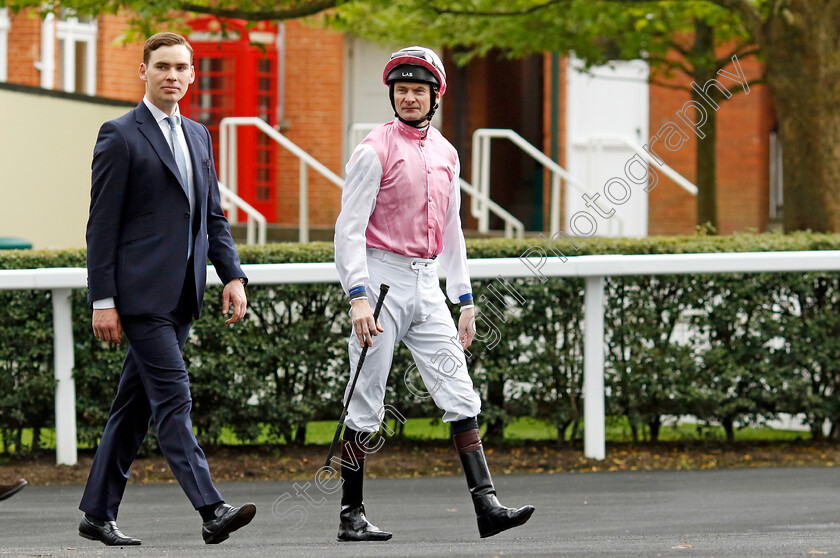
[{"x": 181, "y": 161}]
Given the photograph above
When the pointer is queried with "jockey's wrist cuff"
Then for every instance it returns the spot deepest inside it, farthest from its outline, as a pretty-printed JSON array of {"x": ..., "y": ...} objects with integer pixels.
[
  {"x": 467, "y": 306},
  {"x": 357, "y": 292}
]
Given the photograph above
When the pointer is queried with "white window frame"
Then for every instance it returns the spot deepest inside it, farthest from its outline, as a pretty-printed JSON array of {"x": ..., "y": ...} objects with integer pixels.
[
  {"x": 71, "y": 31},
  {"x": 5, "y": 25}
]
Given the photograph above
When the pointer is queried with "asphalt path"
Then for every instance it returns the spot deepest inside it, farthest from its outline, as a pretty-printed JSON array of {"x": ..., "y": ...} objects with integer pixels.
[{"x": 727, "y": 513}]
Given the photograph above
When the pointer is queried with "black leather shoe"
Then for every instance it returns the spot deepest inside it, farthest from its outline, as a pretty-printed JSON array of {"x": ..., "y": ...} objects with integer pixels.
[
  {"x": 108, "y": 533},
  {"x": 9, "y": 490},
  {"x": 228, "y": 519},
  {"x": 354, "y": 526}
]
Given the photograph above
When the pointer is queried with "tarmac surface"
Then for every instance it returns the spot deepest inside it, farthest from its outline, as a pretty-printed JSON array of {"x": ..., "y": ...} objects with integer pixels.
[{"x": 722, "y": 513}]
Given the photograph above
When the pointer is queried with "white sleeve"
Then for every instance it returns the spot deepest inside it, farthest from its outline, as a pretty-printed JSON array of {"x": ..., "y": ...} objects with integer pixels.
[
  {"x": 104, "y": 303},
  {"x": 364, "y": 173},
  {"x": 453, "y": 258}
]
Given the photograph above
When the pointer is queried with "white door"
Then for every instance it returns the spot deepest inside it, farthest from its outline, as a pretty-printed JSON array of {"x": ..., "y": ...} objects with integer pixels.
[{"x": 612, "y": 101}]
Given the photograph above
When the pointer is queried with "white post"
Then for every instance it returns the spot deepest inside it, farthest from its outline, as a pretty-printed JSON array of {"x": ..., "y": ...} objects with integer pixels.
[
  {"x": 47, "y": 63},
  {"x": 484, "y": 220},
  {"x": 261, "y": 232},
  {"x": 65, "y": 388},
  {"x": 233, "y": 169},
  {"x": 68, "y": 58},
  {"x": 223, "y": 154},
  {"x": 303, "y": 204},
  {"x": 90, "y": 62},
  {"x": 250, "y": 231},
  {"x": 594, "y": 438},
  {"x": 475, "y": 175},
  {"x": 5, "y": 25},
  {"x": 554, "y": 210}
]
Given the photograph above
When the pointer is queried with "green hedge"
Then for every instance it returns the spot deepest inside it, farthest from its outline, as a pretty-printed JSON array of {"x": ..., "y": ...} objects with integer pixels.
[{"x": 729, "y": 349}]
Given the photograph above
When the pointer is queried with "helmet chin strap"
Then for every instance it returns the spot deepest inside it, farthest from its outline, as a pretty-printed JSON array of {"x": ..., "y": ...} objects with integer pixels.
[{"x": 414, "y": 123}]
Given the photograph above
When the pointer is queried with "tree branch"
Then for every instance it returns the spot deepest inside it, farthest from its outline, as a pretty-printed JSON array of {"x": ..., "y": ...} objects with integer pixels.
[
  {"x": 670, "y": 64},
  {"x": 310, "y": 8},
  {"x": 736, "y": 89},
  {"x": 667, "y": 85},
  {"x": 748, "y": 13},
  {"x": 679, "y": 48},
  {"x": 776, "y": 7},
  {"x": 741, "y": 52},
  {"x": 525, "y": 11}
]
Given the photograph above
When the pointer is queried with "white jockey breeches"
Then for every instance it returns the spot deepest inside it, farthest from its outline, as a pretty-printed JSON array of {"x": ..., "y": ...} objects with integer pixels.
[{"x": 414, "y": 312}]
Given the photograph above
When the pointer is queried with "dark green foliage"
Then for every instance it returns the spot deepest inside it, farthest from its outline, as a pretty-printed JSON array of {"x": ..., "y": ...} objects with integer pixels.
[
  {"x": 545, "y": 341},
  {"x": 809, "y": 352},
  {"x": 27, "y": 385},
  {"x": 729, "y": 349},
  {"x": 650, "y": 367}
]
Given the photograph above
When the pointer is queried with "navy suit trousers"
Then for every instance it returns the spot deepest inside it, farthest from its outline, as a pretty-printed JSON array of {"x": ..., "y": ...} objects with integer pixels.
[{"x": 154, "y": 385}]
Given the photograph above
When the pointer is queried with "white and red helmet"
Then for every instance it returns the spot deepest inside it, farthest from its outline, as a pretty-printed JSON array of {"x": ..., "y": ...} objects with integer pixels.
[
  {"x": 418, "y": 57},
  {"x": 416, "y": 64}
]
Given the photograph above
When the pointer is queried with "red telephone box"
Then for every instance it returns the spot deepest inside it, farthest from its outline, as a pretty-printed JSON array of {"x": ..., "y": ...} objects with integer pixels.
[{"x": 236, "y": 75}]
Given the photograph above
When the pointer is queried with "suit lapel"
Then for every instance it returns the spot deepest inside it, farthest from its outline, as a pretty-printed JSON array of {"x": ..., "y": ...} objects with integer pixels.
[
  {"x": 198, "y": 156},
  {"x": 151, "y": 130}
]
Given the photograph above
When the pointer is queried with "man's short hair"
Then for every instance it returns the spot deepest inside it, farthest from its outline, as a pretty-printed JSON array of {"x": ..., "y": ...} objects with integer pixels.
[{"x": 161, "y": 40}]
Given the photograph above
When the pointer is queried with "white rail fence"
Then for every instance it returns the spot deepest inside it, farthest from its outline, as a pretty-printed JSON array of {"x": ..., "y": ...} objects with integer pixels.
[{"x": 535, "y": 262}]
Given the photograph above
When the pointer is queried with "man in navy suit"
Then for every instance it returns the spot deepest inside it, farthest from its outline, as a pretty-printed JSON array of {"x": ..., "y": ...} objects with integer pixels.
[{"x": 155, "y": 218}]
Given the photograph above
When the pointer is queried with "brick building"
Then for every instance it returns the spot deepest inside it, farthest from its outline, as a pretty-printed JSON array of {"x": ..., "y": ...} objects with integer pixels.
[{"x": 314, "y": 85}]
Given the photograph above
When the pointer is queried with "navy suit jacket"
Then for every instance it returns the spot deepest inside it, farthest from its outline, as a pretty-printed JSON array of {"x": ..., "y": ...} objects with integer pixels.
[{"x": 138, "y": 227}]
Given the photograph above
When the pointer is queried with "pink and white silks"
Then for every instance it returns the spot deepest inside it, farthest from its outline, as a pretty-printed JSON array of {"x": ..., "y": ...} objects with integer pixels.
[{"x": 399, "y": 218}]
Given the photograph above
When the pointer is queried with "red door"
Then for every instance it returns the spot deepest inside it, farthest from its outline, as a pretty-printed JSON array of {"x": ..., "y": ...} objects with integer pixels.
[{"x": 236, "y": 77}]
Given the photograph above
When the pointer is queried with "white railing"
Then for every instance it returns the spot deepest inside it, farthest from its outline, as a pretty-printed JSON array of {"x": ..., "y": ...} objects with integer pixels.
[
  {"x": 481, "y": 175},
  {"x": 513, "y": 226},
  {"x": 533, "y": 262},
  {"x": 255, "y": 229},
  {"x": 228, "y": 162},
  {"x": 596, "y": 144}
]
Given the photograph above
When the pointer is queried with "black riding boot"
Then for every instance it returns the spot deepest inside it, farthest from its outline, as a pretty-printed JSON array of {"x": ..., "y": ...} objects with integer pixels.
[
  {"x": 493, "y": 518},
  {"x": 354, "y": 526}
]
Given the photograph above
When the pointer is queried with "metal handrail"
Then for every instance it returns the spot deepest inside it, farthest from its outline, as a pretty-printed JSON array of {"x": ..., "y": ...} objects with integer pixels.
[
  {"x": 228, "y": 165},
  {"x": 255, "y": 229},
  {"x": 513, "y": 226},
  {"x": 481, "y": 174},
  {"x": 599, "y": 141}
]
